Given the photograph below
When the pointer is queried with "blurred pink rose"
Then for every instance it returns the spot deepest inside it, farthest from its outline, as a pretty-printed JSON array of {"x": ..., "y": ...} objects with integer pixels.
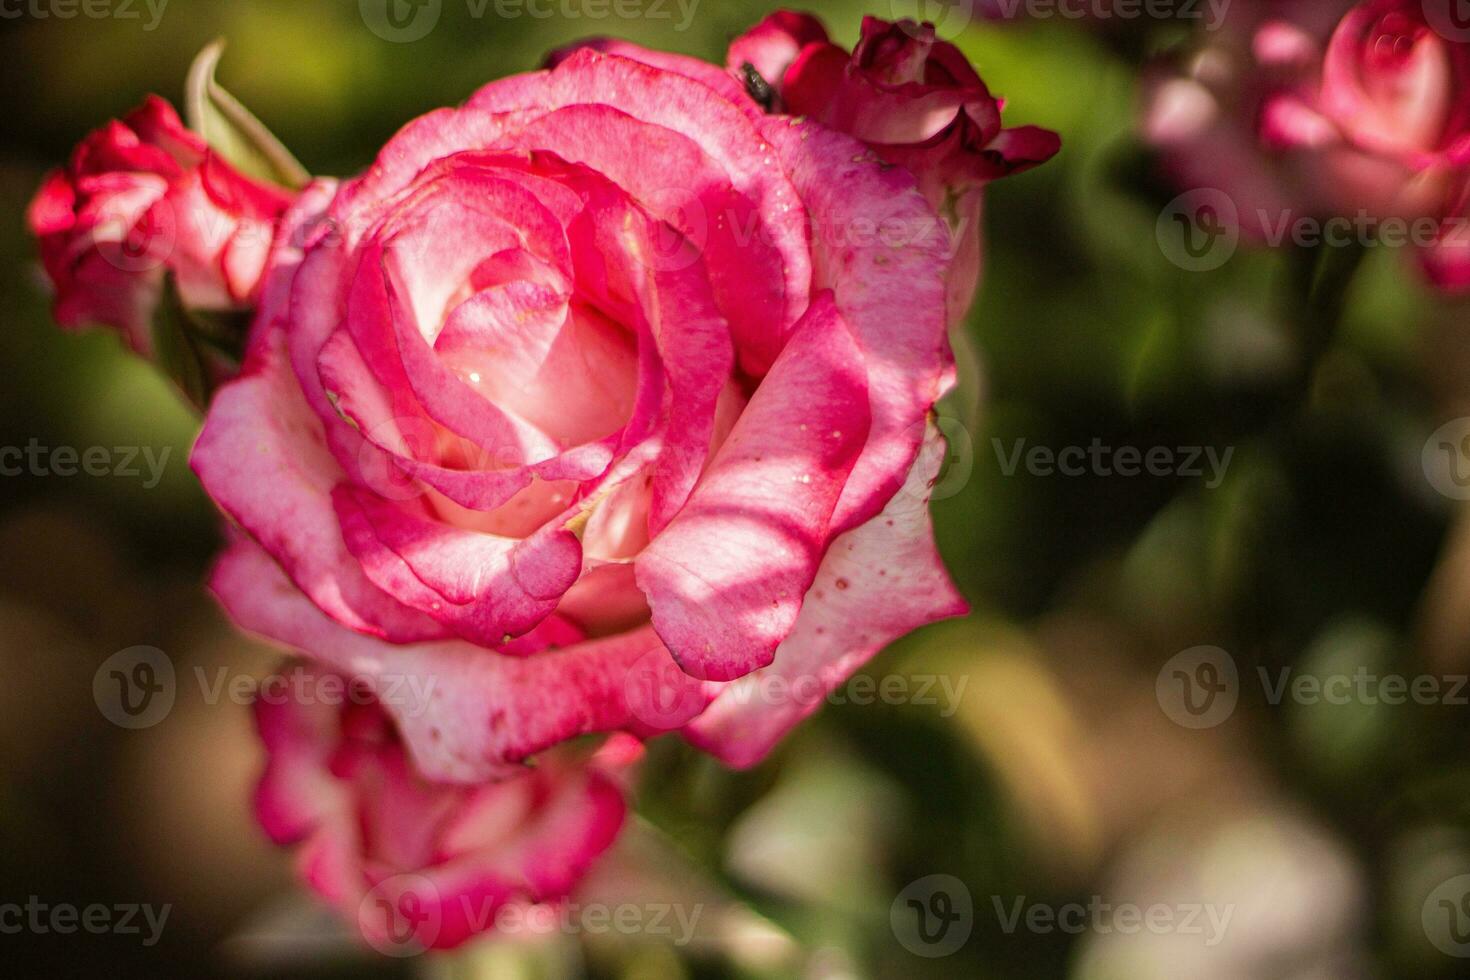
[
  {"x": 588, "y": 399},
  {"x": 413, "y": 863},
  {"x": 914, "y": 100},
  {"x": 142, "y": 196},
  {"x": 1294, "y": 113},
  {"x": 1380, "y": 120}
]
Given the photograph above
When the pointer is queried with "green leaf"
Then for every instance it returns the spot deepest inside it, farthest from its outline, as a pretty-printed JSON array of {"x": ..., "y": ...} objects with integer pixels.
[
  {"x": 196, "y": 349},
  {"x": 232, "y": 130}
]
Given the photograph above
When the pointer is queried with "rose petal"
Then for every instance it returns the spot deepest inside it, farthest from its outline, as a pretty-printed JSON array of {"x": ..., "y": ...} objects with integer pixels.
[
  {"x": 877, "y": 583},
  {"x": 725, "y": 578},
  {"x": 485, "y": 713}
]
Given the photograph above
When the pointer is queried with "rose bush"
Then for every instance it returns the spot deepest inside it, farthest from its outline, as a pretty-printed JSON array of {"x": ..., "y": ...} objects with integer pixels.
[
  {"x": 590, "y": 398},
  {"x": 602, "y": 403},
  {"x": 140, "y": 198},
  {"x": 427, "y": 865}
]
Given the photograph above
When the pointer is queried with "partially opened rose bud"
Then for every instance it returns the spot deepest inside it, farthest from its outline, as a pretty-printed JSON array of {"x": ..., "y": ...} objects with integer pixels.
[
  {"x": 143, "y": 200},
  {"x": 913, "y": 99},
  {"x": 415, "y": 864}
]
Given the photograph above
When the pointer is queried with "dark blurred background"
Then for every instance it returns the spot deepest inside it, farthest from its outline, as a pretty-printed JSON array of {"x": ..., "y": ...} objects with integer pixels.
[{"x": 1057, "y": 773}]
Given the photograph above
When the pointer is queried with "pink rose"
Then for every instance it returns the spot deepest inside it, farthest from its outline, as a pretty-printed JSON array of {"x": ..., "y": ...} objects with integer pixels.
[
  {"x": 1298, "y": 114},
  {"x": 574, "y": 403},
  {"x": 914, "y": 100},
  {"x": 140, "y": 197},
  {"x": 417, "y": 864},
  {"x": 1381, "y": 120},
  {"x": 1202, "y": 116}
]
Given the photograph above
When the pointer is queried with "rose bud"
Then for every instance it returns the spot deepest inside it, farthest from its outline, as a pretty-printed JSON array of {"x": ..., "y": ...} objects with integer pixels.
[
  {"x": 416, "y": 864},
  {"x": 914, "y": 100},
  {"x": 141, "y": 199}
]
